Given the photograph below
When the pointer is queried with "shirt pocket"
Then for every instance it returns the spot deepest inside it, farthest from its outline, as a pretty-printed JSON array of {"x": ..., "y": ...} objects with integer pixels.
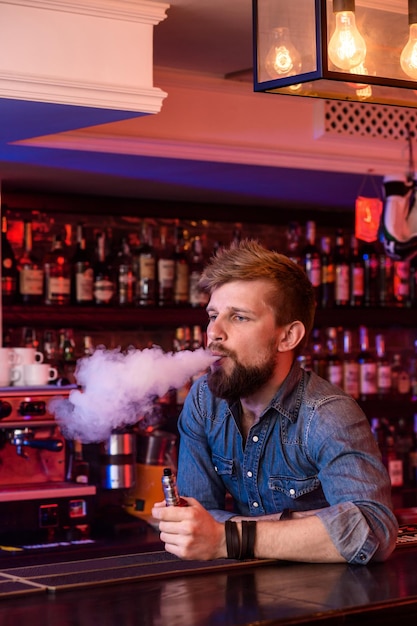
[
  {"x": 287, "y": 489},
  {"x": 223, "y": 467}
]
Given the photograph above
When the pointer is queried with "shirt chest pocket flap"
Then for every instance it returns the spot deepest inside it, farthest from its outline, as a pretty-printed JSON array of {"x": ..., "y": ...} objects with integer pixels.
[{"x": 294, "y": 487}]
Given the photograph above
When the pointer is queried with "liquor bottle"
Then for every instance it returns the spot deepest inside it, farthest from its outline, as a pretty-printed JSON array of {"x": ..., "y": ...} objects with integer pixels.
[
  {"x": 383, "y": 367},
  {"x": 401, "y": 384},
  {"x": 334, "y": 364},
  {"x": 57, "y": 274},
  {"x": 370, "y": 258},
  {"x": 327, "y": 274},
  {"x": 350, "y": 366},
  {"x": 144, "y": 267},
  {"x": 341, "y": 272},
  {"x": 385, "y": 279},
  {"x": 401, "y": 283},
  {"x": 30, "y": 268},
  {"x": 8, "y": 267},
  {"x": 311, "y": 259},
  {"x": 182, "y": 341},
  {"x": 293, "y": 237},
  {"x": 318, "y": 360},
  {"x": 197, "y": 297},
  {"x": 367, "y": 367},
  {"x": 412, "y": 459},
  {"x": 391, "y": 460},
  {"x": 104, "y": 286},
  {"x": 165, "y": 270},
  {"x": 67, "y": 355},
  {"x": 412, "y": 369},
  {"x": 82, "y": 272},
  {"x": 182, "y": 269},
  {"x": 356, "y": 275},
  {"x": 125, "y": 277}
]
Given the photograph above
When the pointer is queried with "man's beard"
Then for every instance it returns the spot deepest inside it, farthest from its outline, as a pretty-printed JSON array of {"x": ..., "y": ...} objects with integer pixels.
[{"x": 243, "y": 381}]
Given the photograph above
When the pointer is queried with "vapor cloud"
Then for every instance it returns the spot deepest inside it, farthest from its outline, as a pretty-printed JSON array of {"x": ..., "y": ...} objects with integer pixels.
[{"x": 117, "y": 388}]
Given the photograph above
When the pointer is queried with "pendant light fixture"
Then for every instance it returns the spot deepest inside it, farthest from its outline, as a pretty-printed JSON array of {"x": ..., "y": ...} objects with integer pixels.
[
  {"x": 337, "y": 49},
  {"x": 408, "y": 58}
]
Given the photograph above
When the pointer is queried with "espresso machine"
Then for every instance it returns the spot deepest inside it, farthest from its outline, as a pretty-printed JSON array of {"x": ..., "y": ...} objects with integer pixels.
[{"x": 38, "y": 501}]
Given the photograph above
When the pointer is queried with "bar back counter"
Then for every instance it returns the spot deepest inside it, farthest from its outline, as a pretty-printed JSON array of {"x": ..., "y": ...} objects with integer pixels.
[{"x": 136, "y": 582}]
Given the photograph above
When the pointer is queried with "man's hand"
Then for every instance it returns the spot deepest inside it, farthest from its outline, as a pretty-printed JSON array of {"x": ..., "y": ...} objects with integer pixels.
[{"x": 190, "y": 532}]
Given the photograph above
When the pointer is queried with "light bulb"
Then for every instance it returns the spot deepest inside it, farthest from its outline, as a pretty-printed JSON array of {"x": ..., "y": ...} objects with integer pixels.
[
  {"x": 347, "y": 47},
  {"x": 283, "y": 59},
  {"x": 408, "y": 58}
]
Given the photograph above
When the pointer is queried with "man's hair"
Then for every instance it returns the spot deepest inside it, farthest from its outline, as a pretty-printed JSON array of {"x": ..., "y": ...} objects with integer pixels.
[{"x": 292, "y": 295}]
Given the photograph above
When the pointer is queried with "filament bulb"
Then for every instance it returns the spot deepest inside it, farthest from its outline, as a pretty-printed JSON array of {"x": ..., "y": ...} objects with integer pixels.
[
  {"x": 283, "y": 59},
  {"x": 347, "y": 47},
  {"x": 408, "y": 58}
]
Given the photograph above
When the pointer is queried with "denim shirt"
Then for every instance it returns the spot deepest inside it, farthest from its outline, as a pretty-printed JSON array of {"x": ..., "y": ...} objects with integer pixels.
[{"x": 311, "y": 449}]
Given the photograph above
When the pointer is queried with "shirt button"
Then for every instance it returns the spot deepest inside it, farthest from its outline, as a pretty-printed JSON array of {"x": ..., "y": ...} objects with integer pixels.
[
  {"x": 249, "y": 474},
  {"x": 215, "y": 468},
  {"x": 255, "y": 505},
  {"x": 292, "y": 492},
  {"x": 255, "y": 438},
  {"x": 362, "y": 556}
]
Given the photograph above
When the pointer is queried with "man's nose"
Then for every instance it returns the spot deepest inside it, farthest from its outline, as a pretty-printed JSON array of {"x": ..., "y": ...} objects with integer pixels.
[{"x": 215, "y": 331}]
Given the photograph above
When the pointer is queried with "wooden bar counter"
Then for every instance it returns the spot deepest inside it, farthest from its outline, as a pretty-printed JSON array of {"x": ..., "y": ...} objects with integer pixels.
[{"x": 265, "y": 594}]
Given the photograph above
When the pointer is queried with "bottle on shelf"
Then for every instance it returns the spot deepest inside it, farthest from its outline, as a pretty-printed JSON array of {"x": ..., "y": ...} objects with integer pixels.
[
  {"x": 401, "y": 384},
  {"x": 412, "y": 458},
  {"x": 327, "y": 274},
  {"x": 182, "y": 269},
  {"x": 57, "y": 274},
  {"x": 50, "y": 348},
  {"x": 391, "y": 459},
  {"x": 350, "y": 366},
  {"x": 144, "y": 267},
  {"x": 383, "y": 367},
  {"x": 125, "y": 277},
  {"x": 341, "y": 272},
  {"x": 401, "y": 283},
  {"x": 370, "y": 257},
  {"x": 385, "y": 279},
  {"x": 293, "y": 239},
  {"x": 311, "y": 258},
  {"x": 8, "y": 267},
  {"x": 104, "y": 285},
  {"x": 367, "y": 367},
  {"x": 356, "y": 275},
  {"x": 30, "y": 269},
  {"x": 334, "y": 363},
  {"x": 165, "y": 269},
  {"x": 318, "y": 353},
  {"x": 82, "y": 272},
  {"x": 412, "y": 369},
  {"x": 67, "y": 355},
  {"x": 197, "y": 297}
]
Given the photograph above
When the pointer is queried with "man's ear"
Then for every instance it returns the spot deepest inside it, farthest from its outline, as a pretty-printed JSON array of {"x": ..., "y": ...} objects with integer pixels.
[{"x": 291, "y": 336}]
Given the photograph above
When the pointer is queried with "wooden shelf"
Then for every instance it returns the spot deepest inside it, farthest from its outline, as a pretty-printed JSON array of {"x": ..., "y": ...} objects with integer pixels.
[
  {"x": 107, "y": 318},
  {"x": 118, "y": 317}
]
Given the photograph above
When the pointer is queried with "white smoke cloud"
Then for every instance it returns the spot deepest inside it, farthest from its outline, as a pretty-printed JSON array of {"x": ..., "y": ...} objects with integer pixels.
[{"x": 117, "y": 388}]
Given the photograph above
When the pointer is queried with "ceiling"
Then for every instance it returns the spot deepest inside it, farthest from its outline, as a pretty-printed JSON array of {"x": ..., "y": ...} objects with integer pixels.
[{"x": 208, "y": 37}]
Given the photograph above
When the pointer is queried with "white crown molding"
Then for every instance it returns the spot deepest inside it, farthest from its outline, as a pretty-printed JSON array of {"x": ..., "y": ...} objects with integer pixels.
[
  {"x": 79, "y": 93},
  {"x": 142, "y": 11},
  {"x": 64, "y": 52}
]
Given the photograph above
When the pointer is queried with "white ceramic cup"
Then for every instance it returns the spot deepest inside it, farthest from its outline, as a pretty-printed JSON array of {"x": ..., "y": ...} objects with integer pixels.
[
  {"x": 35, "y": 374},
  {"x": 7, "y": 356},
  {"x": 8, "y": 375},
  {"x": 23, "y": 356}
]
